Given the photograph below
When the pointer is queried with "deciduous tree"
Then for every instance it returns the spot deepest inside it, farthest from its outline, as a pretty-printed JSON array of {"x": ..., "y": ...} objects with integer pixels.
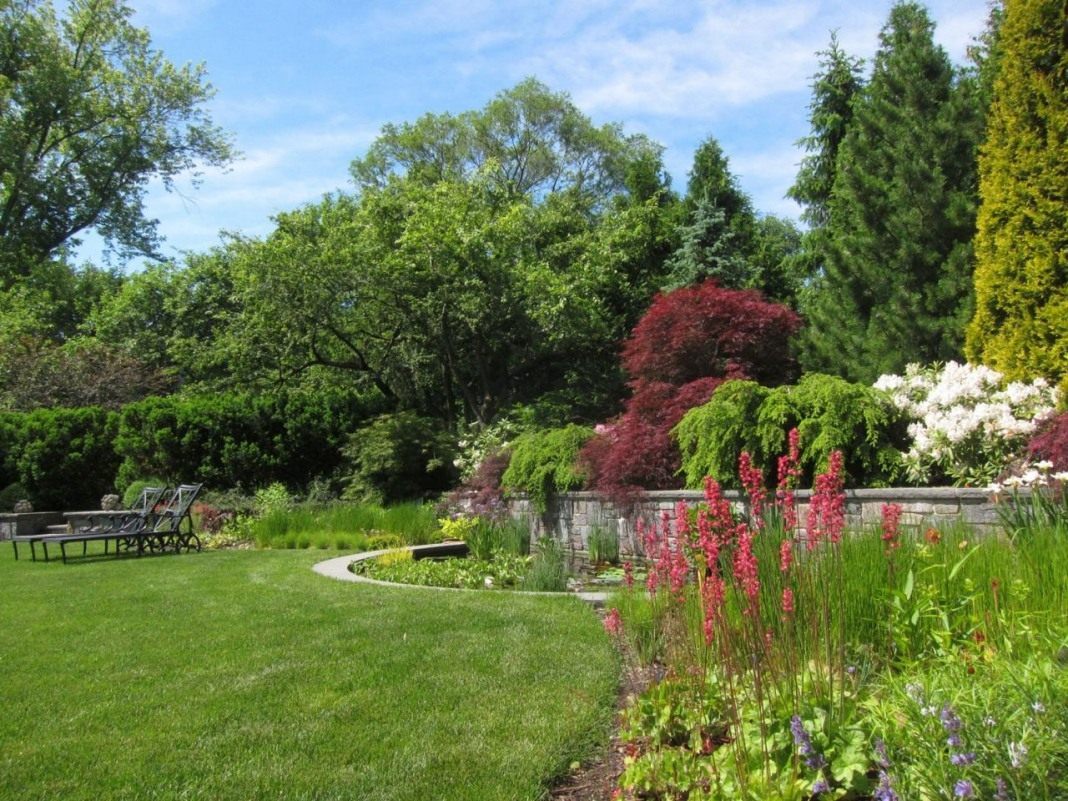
[{"x": 89, "y": 114}]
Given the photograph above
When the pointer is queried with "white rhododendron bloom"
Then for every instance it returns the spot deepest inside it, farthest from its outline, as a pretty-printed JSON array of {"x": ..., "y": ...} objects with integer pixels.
[{"x": 966, "y": 422}]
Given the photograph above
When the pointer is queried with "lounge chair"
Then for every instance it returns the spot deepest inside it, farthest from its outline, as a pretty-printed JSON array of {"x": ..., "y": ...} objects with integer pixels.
[
  {"x": 165, "y": 532},
  {"x": 122, "y": 528}
]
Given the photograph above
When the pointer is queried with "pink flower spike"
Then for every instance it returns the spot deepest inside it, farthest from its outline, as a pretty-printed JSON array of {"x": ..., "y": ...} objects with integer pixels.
[
  {"x": 787, "y": 602},
  {"x": 891, "y": 524},
  {"x": 613, "y": 624},
  {"x": 786, "y": 555}
]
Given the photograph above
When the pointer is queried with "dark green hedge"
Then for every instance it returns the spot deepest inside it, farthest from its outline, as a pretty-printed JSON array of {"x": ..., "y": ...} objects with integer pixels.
[
  {"x": 237, "y": 441},
  {"x": 68, "y": 458},
  {"x": 65, "y": 458}
]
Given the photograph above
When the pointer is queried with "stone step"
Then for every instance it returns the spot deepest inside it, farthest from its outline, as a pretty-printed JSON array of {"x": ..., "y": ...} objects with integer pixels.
[{"x": 56, "y": 529}]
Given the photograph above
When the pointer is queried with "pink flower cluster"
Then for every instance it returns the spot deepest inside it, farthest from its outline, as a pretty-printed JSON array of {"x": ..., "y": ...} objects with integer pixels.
[
  {"x": 613, "y": 624},
  {"x": 789, "y": 475},
  {"x": 752, "y": 479},
  {"x": 891, "y": 525},
  {"x": 671, "y": 565},
  {"x": 826, "y": 508}
]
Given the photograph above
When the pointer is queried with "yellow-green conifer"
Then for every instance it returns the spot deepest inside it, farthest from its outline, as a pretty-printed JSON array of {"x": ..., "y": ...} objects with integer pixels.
[{"x": 1021, "y": 276}]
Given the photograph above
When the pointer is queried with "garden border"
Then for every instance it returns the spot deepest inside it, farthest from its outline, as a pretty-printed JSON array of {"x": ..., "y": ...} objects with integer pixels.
[{"x": 338, "y": 568}]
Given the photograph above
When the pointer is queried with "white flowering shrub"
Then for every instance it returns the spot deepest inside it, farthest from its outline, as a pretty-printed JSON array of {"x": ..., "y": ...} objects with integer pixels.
[{"x": 967, "y": 423}]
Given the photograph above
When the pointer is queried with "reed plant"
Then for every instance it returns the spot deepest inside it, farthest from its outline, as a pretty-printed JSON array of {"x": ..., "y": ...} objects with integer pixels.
[
  {"x": 343, "y": 525},
  {"x": 603, "y": 546}
]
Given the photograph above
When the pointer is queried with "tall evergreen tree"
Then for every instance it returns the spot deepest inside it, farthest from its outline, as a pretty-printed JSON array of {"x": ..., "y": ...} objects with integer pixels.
[
  {"x": 717, "y": 234},
  {"x": 896, "y": 286},
  {"x": 834, "y": 89},
  {"x": 1021, "y": 275}
]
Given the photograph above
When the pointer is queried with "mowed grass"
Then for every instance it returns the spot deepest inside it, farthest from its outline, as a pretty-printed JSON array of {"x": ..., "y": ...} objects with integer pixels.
[{"x": 243, "y": 675}]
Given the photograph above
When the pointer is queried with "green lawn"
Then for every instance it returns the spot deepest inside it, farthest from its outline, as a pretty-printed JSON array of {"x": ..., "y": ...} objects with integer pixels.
[{"x": 243, "y": 675}]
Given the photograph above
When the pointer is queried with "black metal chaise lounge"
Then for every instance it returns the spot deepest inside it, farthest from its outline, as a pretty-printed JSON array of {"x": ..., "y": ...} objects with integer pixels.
[
  {"x": 166, "y": 531},
  {"x": 121, "y": 528},
  {"x": 99, "y": 523}
]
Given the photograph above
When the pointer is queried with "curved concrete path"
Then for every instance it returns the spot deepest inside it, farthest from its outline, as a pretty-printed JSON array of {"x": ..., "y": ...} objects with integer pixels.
[{"x": 338, "y": 568}]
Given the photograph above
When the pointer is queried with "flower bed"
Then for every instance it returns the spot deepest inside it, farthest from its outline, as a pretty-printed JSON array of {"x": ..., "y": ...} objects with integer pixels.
[{"x": 800, "y": 663}]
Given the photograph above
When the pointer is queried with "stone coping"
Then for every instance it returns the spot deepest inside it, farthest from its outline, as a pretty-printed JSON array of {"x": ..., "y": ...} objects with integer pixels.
[
  {"x": 879, "y": 493},
  {"x": 338, "y": 568}
]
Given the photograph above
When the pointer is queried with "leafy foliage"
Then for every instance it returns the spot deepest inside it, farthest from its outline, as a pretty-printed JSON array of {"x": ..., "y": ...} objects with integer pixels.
[
  {"x": 527, "y": 140},
  {"x": 63, "y": 457},
  {"x": 707, "y": 330},
  {"x": 36, "y": 373},
  {"x": 1020, "y": 326},
  {"x": 685, "y": 346},
  {"x": 246, "y": 441},
  {"x": 1050, "y": 442},
  {"x": 829, "y": 413},
  {"x": 711, "y": 436},
  {"x": 546, "y": 462},
  {"x": 91, "y": 114},
  {"x": 398, "y": 457}
]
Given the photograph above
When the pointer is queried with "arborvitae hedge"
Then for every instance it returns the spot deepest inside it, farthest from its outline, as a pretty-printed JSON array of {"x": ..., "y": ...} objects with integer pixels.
[
  {"x": 63, "y": 457},
  {"x": 1021, "y": 276},
  {"x": 242, "y": 441}
]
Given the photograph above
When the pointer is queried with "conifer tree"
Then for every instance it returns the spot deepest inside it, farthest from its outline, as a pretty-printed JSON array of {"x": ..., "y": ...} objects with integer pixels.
[
  {"x": 896, "y": 285},
  {"x": 834, "y": 88},
  {"x": 718, "y": 232},
  {"x": 1021, "y": 275}
]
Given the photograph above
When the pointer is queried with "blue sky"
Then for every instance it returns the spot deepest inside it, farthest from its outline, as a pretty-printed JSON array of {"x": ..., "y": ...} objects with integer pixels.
[{"x": 304, "y": 87}]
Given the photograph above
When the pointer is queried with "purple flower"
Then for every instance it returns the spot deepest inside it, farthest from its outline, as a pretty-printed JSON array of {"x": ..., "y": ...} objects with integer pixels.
[
  {"x": 1002, "y": 791},
  {"x": 813, "y": 758},
  {"x": 960, "y": 760},
  {"x": 801, "y": 737},
  {"x": 882, "y": 759},
  {"x": 964, "y": 789},
  {"x": 820, "y": 787},
  {"x": 950, "y": 721},
  {"x": 885, "y": 791},
  {"x": 954, "y": 741}
]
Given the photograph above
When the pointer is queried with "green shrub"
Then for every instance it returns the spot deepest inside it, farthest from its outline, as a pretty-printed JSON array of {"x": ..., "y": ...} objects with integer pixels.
[
  {"x": 398, "y": 457},
  {"x": 712, "y": 436},
  {"x": 64, "y": 457},
  {"x": 244, "y": 441},
  {"x": 10, "y": 495},
  {"x": 829, "y": 413},
  {"x": 545, "y": 462},
  {"x": 133, "y": 492}
]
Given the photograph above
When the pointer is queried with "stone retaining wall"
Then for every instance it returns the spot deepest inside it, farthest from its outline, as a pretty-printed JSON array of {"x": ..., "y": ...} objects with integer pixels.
[{"x": 571, "y": 516}]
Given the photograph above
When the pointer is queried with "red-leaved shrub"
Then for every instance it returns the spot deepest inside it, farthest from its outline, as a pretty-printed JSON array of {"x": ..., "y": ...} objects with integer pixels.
[
  {"x": 706, "y": 330},
  {"x": 1050, "y": 443},
  {"x": 687, "y": 344}
]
